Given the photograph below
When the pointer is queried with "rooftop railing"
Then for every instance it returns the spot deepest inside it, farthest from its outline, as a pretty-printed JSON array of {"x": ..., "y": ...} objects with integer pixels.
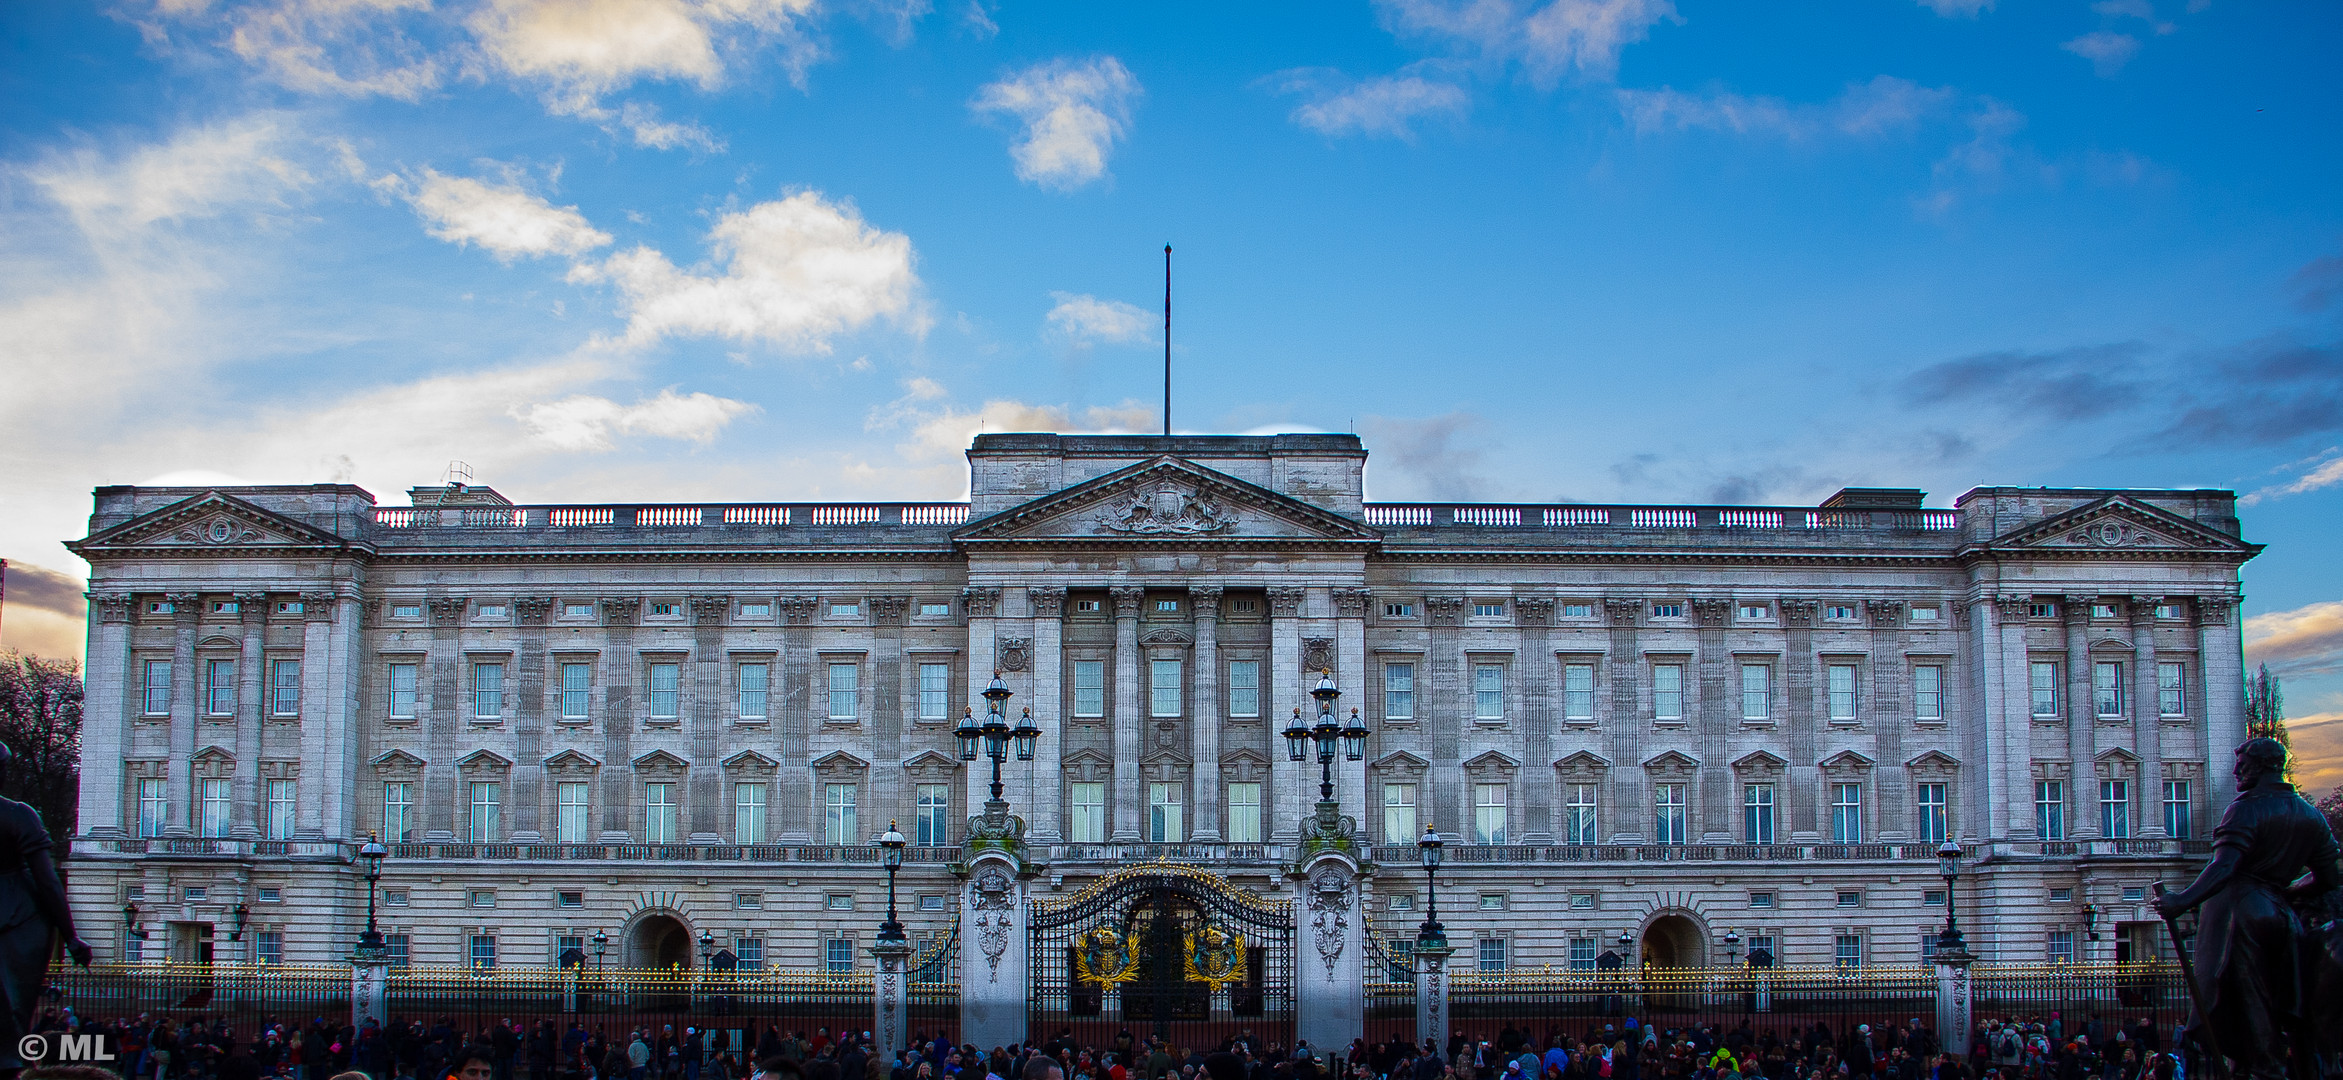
[
  {"x": 668, "y": 517},
  {"x": 1437, "y": 515}
]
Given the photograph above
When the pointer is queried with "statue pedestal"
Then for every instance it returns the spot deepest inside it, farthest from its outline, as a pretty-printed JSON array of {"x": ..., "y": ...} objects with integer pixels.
[
  {"x": 993, "y": 914},
  {"x": 369, "y": 987},
  {"x": 891, "y": 999},
  {"x": 1330, "y": 984},
  {"x": 1432, "y": 993},
  {"x": 1954, "y": 1004}
]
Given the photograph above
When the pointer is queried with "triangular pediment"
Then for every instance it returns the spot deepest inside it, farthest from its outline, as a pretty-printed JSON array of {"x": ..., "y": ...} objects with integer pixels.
[
  {"x": 1166, "y": 499},
  {"x": 1400, "y": 759},
  {"x": 2117, "y": 524},
  {"x": 210, "y": 524},
  {"x": 397, "y": 759},
  {"x": 1088, "y": 756},
  {"x": 837, "y": 760},
  {"x": 1934, "y": 759},
  {"x": 1847, "y": 759},
  {"x": 484, "y": 759},
  {"x": 1491, "y": 759},
  {"x": 660, "y": 759},
  {"x": 1672, "y": 759},
  {"x": 1583, "y": 761},
  {"x": 571, "y": 759},
  {"x": 2118, "y": 754},
  {"x": 1760, "y": 761},
  {"x": 211, "y": 754},
  {"x": 928, "y": 760}
]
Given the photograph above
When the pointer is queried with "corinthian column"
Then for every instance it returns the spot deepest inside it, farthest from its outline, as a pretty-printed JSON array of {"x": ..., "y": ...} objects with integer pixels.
[
  {"x": 1206, "y": 712},
  {"x": 1127, "y": 715}
]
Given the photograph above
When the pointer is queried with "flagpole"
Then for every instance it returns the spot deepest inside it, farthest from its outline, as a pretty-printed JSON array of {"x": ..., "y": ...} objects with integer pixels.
[{"x": 1167, "y": 340}]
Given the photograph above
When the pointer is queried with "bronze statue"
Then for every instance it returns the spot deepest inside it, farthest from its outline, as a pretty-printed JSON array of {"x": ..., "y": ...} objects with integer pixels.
[
  {"x": 2256, "y": 959},
  {"x": 33, "y": 915}
]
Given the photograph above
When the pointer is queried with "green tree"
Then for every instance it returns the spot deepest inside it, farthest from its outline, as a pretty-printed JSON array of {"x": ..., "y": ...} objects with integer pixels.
[
  {"x": 40, "y": 721},
  {"x": 2265, "y": 712}
]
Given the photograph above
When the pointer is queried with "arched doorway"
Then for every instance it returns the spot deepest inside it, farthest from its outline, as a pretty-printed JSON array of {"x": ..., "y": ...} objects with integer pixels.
[
  {"x": 658, "y": 942},
  {"x": 1674, "y": 941}
]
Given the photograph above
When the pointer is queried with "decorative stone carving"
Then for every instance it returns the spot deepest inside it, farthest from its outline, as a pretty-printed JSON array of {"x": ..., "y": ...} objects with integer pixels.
[
  {"x": 1126, "y": 598},
  {"x": 1886, "y": 614},
  {"x": 218, "y": 530},
  {"x": 111, "y": 607},
  {"x": 445, "y": 610},
  {"x": 1204, "y": 601},
  {"x": 992, "y": 895},
  {"x": 711, "y": 609},
  {"x": 2143, "y": 608},
  {"x": 1014, "y": 654},
  {"x": 1048, "y": 603},
  {"x": 2014, "y": 608},
  {"x": 621, "y": 610},
  {"x": 1444, "y": 610},
  {"x": 317, "y": 606},
  {"x": 1318, "y": 654},
  {"x": 981, "y": 603},
  {"x": 532, "y": 610},
  {"x": 1167, "y": 635},
  {"x": 1797, "y": 612},
  {"x": 2214, "y": 610},
  {"x": 1166, "y": 509},
  {"x": 1352, "y": 603},
  {"x": 1621, "y": 612},
  {"x": 798, "y": 610},
  {"x": 1534, "y": 610},
  {"x": 1285, "y": 602},
  {"x": 890, "y": 610},
  {"x": 1711, "y": 611},
  {"x": 2110, "y": 532},
  {"x": 1329, "y": 901}
]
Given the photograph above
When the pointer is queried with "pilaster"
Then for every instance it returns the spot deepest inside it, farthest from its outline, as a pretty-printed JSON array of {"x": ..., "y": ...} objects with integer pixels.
[
  {"x": 2147, "y": 722},
  {"x": 2082, "y": 721},
  {"x": 106, "y": 716},
  {"x": 1206, "y": 712},
  {"x": 891, "y": 999},
  {"x": 1046, "y": 797},
  {"x": 993, "y": 913},
  {"x": 2221, "y": 649},
  {"x": 251, "y": 703},
  {"x": 1129, "y": 720},
  {"x": 1432, "y": 992},
  {"x": 1330, "y": 972},
  {"x": 324, "y": 721},
  {"x": 1285, "y": 680},
  {"x": 792, "y": 712}
]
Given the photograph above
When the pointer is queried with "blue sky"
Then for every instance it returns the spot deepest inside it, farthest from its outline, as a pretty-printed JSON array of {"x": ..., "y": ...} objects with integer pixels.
[{"x": 1608, "y": 250}]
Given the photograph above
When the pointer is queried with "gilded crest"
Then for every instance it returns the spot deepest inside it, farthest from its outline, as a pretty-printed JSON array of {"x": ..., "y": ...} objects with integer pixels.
[
  {"x": 1106, "y": 956},
  {"x": 1215, "y": 956}
]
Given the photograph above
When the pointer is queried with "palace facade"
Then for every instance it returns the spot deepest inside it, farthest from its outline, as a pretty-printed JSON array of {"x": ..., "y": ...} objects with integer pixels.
[{"x": 1637, "y": 727}]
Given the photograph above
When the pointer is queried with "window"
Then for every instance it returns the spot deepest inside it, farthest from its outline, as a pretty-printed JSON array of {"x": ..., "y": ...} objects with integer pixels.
[
  {"x": 1578, "y": 691},
  {"x": 1838, "y": 611},
  {"x": 1400, "y": 950},
  {"x": 572, "y": 812},
  {"x": 843, "y": 698},
  {"x": 1244, "y": 605},
  {"x": 394, "y": 898},
  {"x": 577, "y": 681},
  {"x": 160, "y": 607},
  {"x": 487, "y": 821},
  {"x": 659, "y": 813},
  {"x": 838, "y": 901},
  {"x": 1488, "y": 691},
  {"x": 1847, "y": 952},
  {"x": 1163, "y": 688},
  {"x": 1578, "y": 816},
  {"x": 2042, "y": 611},
  {"x": 1244, "y": 812},
  {"x": 1090, "y": 688},
  {"x": 1842, "y": 693},
  {"x": 2062, "y": 896},
  {"x": 219, "y": 688},
  {"x": 2170, "y": 680},
  {"x": 1761, "y": 899},
  {"x": 1087, "y": 823},
  {"x": 931, "y": 824},
  {"x": 2103, "y": 611},
  {"x": 1488, "y": 610},
  {"x": 483, "y": 951},
  {"x": 155, "y": 686},
  {"x": 666, "y": 691},
  {"x": 268, "y": 948},
  {"x": 846, "y": 611},
  {"x": 1668, "y": 813},
  {"x": 396, "y": 945},
  {"x": 2176, "y": 810},
  {"x": 838, "y": 825},
  {"x": 1167, "y": 606},
  {"x": 215, "y": 808},
  {"x": 406, "y": 611},
  {"x": 749, "y": 952},
  {"x": 755, "y": 682},
  {"x": 1850, "y": 898},
  {"x": 1926, "y": 613},
  {"x": 398, "y": 811},
  {"x": 1399, "y": 611},
  {"x": 2050, "y": 809},
  {"x": 1492, "y": 954},
  {"x": 756, "y": 611},
  {"x": 1754, "y": 611},
  {"x": 666, "y": 608},
  {"x": 284, "y": 688},
  {"x": 568, "y": 899},
  {"x": 1492, "y": 901},
  {"x": 838, "y": 956},
  {"x": 2133, "y": 894},
  {"x": 1757, "y": 814},
  {"x": 1932, "y": 897},
  {"x": 1933, "y": 825},
  {"x": 1578, "y": 611},
  {"x": 1757, "y": 697},
  {"x": 2042, "y": 677},
  {"x": 1399, "y": 814},
  {"x": 1488, "y": 813},
  {"x": 2107, "y": 689},
  {"x": 1163, "y": 814},
  {"x": 935, "y": 691},
  {"x": 487, "y": 611},
  {"x": 1085, "y": 605},
  {"x": 929, "y": 609},
  {"x": 1667, "y": 692},
  {"x": 487, "y": 691},
  {"x": 586, "y": 611},
  {"x": 1928, "y": 692},
  {"x": 226, "y": 607},
  {"x": 280, "y": 809},
  {"x": 1244, "y": 688},
  {"x": 402, "y": 691},
  {"x": 1846, "y": 813},
  {"x": 1399, "y": 691},
  {"x": 154, "y": 806},
  {"x": 748, "y": 901},
  {"x": 1667, "y": 611},
  {"x": 1582, "y": 954},
  {"x": 2115, "y": 809},
  {"x": 2061, "y": 948},
  {"x": 748, "y": 813}
]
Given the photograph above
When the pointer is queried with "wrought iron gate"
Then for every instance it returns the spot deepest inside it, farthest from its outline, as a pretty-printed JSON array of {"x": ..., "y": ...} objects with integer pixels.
[{"x": 1162, "y": 949}]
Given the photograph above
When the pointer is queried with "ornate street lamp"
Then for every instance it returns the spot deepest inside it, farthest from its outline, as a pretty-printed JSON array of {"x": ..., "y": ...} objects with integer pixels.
[
  {"x": 1732, "y": 947},
  {"x": 1027, "y": 731},
  {"x": 891, "y": 856},
  {"x": 1948, "y": 866},
  {"x": 970, "y": 734},
  {"x": 1297, "y": 736},
  {"x": 370, "y": 856},
  {"x": 601, "y": 947},
  {"x": 130, "y": 921},
  {"x": 1431, "y": 935},
  {"x": 707, "y": 946},
  {"x": 995, "y": 732},
  {"x": 243, "y": 916}
]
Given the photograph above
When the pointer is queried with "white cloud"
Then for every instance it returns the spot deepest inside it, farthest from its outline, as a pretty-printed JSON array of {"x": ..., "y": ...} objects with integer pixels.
[
  {"x": 2306, "y": 640},
  {"x": 1882, "y": 106},
  {"x": 1387, "y": 105},
  {"x": 1548, "y": 40},
  {"x": 1074, "y": 111},
  {"x": 353, "y": 48},
  {"x": 796, "y": 273},
  {"x": 1086, "y": 318},
  {"x": 2325, "y": 474},
  {"x": 1963, "y": 9},
  {"x": 582, "y": 49},
  {"x": 583, "y": 422},
  {"x": 199, "y": 173},
  {"x": 507, "y": 221},
  {"x": 2107, "y": 51},
  {"x": 945, "y": 434}
]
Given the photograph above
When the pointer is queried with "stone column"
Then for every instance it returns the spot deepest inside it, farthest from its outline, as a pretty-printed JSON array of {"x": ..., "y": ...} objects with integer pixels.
[
  {"x": 889, "y": 720},
  {"x": 1047, "y": 795},
  {"x": 2082, "y": 722},
  {"x": 1351, "y": 674},
  {"x": 1953, "y": 1000},
  {"x": 2221, "y": 651},
  {"x": 792, "y": 711},
  {"x": 707, "y": 723},
  {"x": 1626, "y": 730},
  {"x": 1206, "y": 713},
  {"x": 184, "y": 679},
  {"x": 369, "y": 989},
  {"x": 983, "y": 606},
  {"x": 891, "y": 999},
  {"x": 621, "y": 714},
  {"x": 106, "y": 716},
  {"x": 1284, "y": 681},
  {"x": 1539, "y": 673},
  {"x": 1330, "y": 972},
  {"x": 2147, "y": 719},
  {"x": 251, "y": 703},
  {"x": 2010, "y": 721},
  {"x": 1432, "y": 992},
  {"x": 992, "y": 952},
  {"x": 324, "y": 722},
  {"x": 1129, "y": 717}
]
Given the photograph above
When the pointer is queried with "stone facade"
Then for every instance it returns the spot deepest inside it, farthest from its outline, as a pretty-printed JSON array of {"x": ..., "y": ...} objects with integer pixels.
[{"x": 1656, "y": 722}]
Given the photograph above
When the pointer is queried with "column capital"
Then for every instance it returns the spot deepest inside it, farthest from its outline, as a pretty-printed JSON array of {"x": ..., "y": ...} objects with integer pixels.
[
  {"x": 981, "y": 603},
  {"x": 445, "y": 610},
  {"x": 798, "y": 610},
  {"x": 621, "y": 610},
  {"x": 2214, "y": 610},
  {"x": 1534, "y": 610},
  {"x": 1126, "y": 598},
  {"x": 1621, "y": 612},
  {"x": 890, "y": 610},
  {"x": 1047, "y": 601},
  {"x": 1285, "y": 602},
  {"x": 1351, "y": 603},
  {"x": 318, "y": 606},
  {"x": 2014, "y": 607},
  {"x": 1711, "y": 611},
  {"x": 111, "y": 607},
  {"x": 252, "y": 608},
  {"x": 1886, "y": 613},
  {"x": 1796, "y": 611},
  {"x": 1205, "y": 600},
  {"x": 1443, "y": 610},
  {"x": 532, "y": 610}
]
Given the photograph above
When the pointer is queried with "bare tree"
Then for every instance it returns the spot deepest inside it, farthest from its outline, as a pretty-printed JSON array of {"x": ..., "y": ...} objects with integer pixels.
[
  {"x": 40, "y": 720},
  {"x": 2265, "y": 712}
]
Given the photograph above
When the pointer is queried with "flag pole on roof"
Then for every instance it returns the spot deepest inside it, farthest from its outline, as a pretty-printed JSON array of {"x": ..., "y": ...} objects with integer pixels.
[{"x": 1167, "y": 340}]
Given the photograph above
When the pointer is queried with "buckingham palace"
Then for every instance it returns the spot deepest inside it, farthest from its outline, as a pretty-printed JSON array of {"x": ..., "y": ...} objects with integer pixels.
[{"x": 1638, "y": 728}]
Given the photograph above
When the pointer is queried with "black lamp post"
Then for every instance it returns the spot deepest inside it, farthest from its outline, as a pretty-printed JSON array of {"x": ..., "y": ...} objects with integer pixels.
[
  {"x": 130, "y": 921},
  {"x": 601, "y": 947},
  {"x": 370, "y": 856},
  {"x": 1431, "y": 935},
  {"x": 1948, "y": 865},
  {"x": 707, "y": 946},
  {"x": 891, "y": 856},
  {"x": 1732, "y": 947},
  {"x": 1328, "y": 733},
  {"x": 243, "y": 916},
  {"x": 994, "y": 735}
]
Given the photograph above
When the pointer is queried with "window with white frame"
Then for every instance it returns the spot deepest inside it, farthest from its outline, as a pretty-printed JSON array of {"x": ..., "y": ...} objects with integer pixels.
[
  {"x": 1578, "y": 611},
  {"x": 660, "y": 813},
  {"x": 154, "y": 806},
  {"x": 932, "y": 825},
  {"x": 1842, "y": 693},
  {"x": 846, "y": 611},
  {"x": 748, "y": 812},
  {"x": 487, "y": 690},
  {"x": 1089, "y": 688},
  {"x": 1754, "y": 612},
  {"x": 838, "y": 956},
  {"x": 1846, "y": 813},
  {"x": 572, "y": 812},
  {"x": 935, "y": 609},
  {"x": 1163, "y": 688},
  {"x": 281, "y": 811},
  {"x": 2177, "y": 808},
  {"x": 401, "y": 681},
  {"x": 1757, "y": 814},
  {"x": 2171, "y": 680},
  {"x": 284, "y": 688},
  {"x": 1667, "y": 692},
  {"x": 1086, "y": 819},
  {"x": 1244, "y": 688},
  {"x": 749, "y": 953},
  {"x": 398, "y": 811},
  {"x": 1757, "y": 697},
  {"x": 754, "y": 682},
  {"x": 2050, "y": 809},
  {"x": 1399, "y": 691},
  {"x": 1933, "y": 824},
  {"x": 1667, "y": 611},
  {"x": 1244, "y": 812},
  {"x": 1583, "y": 954},
  {"x": 838, "y": 822},
  {"x": 577, "y": 689},
  {"x": 482, "y": 951},
  {"x": 1847, "y": 952},
  {"x": 1484, "y": 609},
  {"x": 1164, "y": 824},
  {"x": 1489, "y": 813},
  {"x": 1488, "y": 691},
  {"x": 935, "y": 691},
  {"x": 1492, "y": 955},
  {"x": 1399, "y": 814},
  {"x": 1668, "y": 813},
  {"x": 1838, "y": 612},
  {"x": 397, "y": 948},
  {"x": 2115, "y": 809},
  {"x": 2059, "y": 946},
  {"x": 485, "y": 823},
  {"x": 2042, "y": 684},
  {"x": 2107, "y": 688},
  {"x": 844, "y": 693},
  {"x": 155, "y": 688},
  {"x": 219, "y": 688},
  {"x": 666, "y": 698},
  {"x": 215, "y": 808},
  {"x": 1578, "y": 691},
  {"x": 1928, "y": 692},
  {"x": 268, "y": 948}
]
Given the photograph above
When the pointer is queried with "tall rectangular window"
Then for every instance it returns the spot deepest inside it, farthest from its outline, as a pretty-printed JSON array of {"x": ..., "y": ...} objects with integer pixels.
[
  {"x": 284, "y": 688},
  {"x": 935, "y": 691},
  {"x": 1757, "y": 695},
  {"x": 1667, "y": 691},
  {"x": 1847, "y": 952},
  {"x": 487, "y": 818},
  {"x": 932, "y": 826},
  {"x": 1933, "y": 825},
  {"x": 1492, "y": 954},
  {"x": 1668, "y": 813},
  {"x": 1086, "y": 824},
  {"x": 215, "y": 808},
  {"x": 2170, "y": 681},
  {"x": 1842, "y": 692},
  {"x": 402, "y": 692},
  {"x": 666, "y": 691},
  {"x": 750, "y": 952},
  {"x": 1090, "y": 688},
  {"x": 748, "y": 813},
  {"x": 1488, "y": 691},
  {"x": 1578, "y": 691},
  {"x": 155, "y": 687},
  {"x": 1578, "y": 816},
  {"x": 280, "y": 809},
  {"x": 1928, "y": 692},
  {"x": 1582, "y": 954},
  {"x": 487, "y": 691},
  {"x": 219, "y": 688},
  {"x": 154, "y": 806},
  {"x": 659, "y": 813},
  {"x": 572, "y": 812},
  {"x": 1399, "y": 814},
  {"x": 844, "y": 697},
  {"x": 2107, "y": 689},
  {"x": 268, "y": 948},
  {"x": 1399, "y": 691},
  {"x": 577, "y": 688},
  {"x": 398, "y": 811},
  {"x": 1846, "y": 813},
  {"x": 1244, "y": 688},
  {"x": 2050, "y": 809},
  {"x": 2115, "y": 809},
  {"x": 1244, "y": 812},
  {"x": 1489, "y": 813},
  {"x": 2176, "y": 810},
  {"x": 1164, "y": 823},
  {"x": 482, "y": 951},
  {"x": 1163, "y": 688},
  {"x": 2059, "y": 946},
  {"x": 755, "y": 684},
  {"x": 838, "y": 822},
  {"x": 2042, "y": 682},
  {"x": 838, "y": 956},
  {"x": 1757, "y": 814}
]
